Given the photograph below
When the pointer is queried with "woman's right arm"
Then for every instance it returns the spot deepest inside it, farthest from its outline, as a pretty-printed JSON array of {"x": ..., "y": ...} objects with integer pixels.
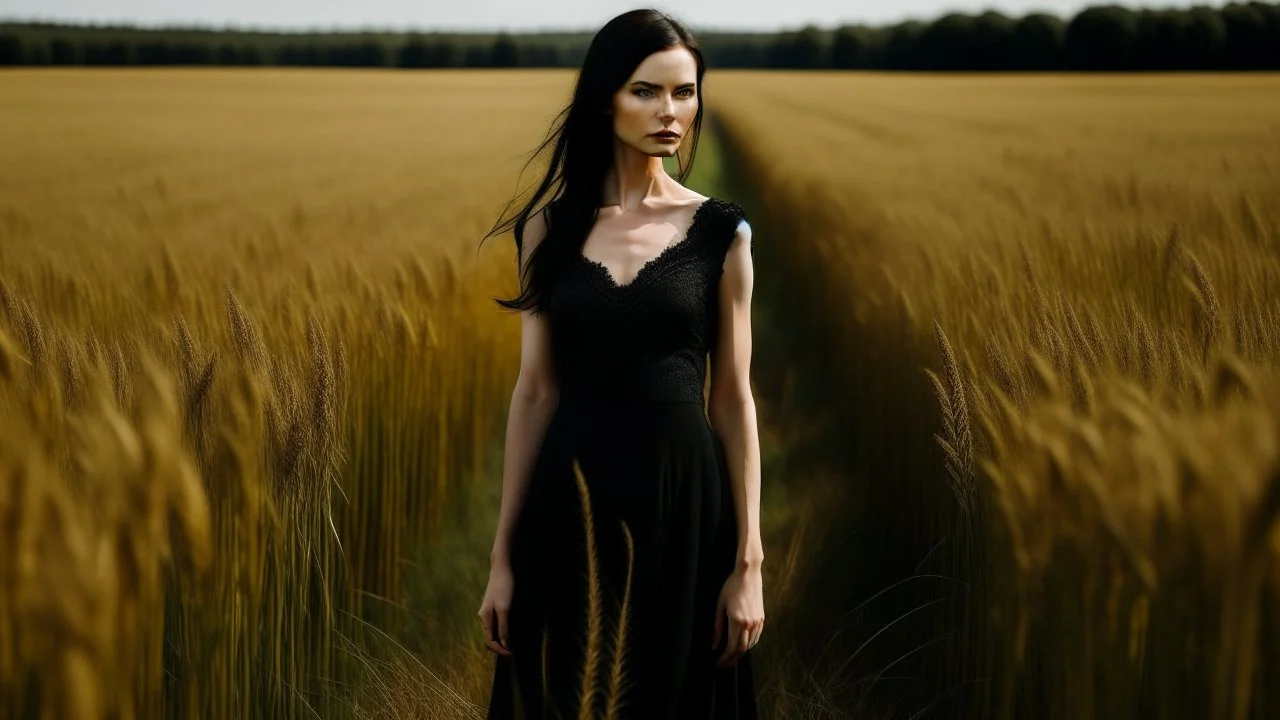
[{"x": 533, "y": 402}]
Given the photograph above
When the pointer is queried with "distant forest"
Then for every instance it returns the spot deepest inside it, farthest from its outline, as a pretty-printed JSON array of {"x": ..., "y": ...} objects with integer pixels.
[{"x": 1239, "y": 36}]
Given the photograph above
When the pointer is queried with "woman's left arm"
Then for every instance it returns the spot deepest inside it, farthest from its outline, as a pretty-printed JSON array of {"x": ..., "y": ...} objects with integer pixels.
[
  {"x": 732, "y": 412},
  {"x": 730, "y": 406}
]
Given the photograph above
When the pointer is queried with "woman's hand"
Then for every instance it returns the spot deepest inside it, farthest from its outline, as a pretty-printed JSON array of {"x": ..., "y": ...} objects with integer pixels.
[
  {"x": 493, "y": 611},
  {"x": 742, "y": 602}
]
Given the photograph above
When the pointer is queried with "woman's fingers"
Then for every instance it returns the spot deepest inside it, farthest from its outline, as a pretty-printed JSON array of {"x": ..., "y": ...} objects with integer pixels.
[
  {"x": 733, "y": 648},
  {"x": 728, "y": 647},
  {"x": 756, "y": 631},
  {"x": 744, "y": 642},
  {"x": 743, "y": 636},
  {"x": 487, "y": 621},
  {"x": 502, "y": 627}
]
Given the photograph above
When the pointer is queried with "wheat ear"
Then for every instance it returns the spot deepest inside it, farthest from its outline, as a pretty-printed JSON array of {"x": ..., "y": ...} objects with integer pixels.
[
  {"x": 591, "y": 658},
  {"x": 617, "y": 674}
]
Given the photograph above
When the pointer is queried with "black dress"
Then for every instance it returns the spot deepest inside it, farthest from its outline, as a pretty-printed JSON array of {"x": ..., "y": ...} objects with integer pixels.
[{"x": 631, "y": 361}]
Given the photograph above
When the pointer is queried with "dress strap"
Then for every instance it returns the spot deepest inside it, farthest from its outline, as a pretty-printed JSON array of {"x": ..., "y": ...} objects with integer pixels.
[{"x": 729, "y": 216}]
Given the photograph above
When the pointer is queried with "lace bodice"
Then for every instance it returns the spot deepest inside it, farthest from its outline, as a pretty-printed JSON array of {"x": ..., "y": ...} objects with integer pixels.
[{"x": 647, "y": 340}]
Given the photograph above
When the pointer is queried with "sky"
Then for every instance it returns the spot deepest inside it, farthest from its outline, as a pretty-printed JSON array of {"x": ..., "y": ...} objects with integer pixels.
[{"x": 512, "y": 15}]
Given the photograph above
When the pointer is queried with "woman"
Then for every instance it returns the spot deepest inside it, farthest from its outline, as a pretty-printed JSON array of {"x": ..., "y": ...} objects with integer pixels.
[{"x": 625, "y": 574}]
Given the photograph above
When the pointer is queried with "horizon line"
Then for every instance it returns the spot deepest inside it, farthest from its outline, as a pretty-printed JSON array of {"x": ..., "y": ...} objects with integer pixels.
[{"x": 473, "y": 30}]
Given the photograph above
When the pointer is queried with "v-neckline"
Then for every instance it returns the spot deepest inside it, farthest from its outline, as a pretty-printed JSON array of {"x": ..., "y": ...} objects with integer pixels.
[{"x": 688, "y": 234}]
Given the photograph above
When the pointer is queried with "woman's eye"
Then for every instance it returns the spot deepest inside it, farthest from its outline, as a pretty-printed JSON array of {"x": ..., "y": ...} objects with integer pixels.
[{"x": 644, "y": 92}]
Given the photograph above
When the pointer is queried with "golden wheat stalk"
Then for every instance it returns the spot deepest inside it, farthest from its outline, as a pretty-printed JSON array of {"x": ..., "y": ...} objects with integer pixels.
[
  {"x": 1174, "y": 248},
  {"x": 37, "y": 350},
  {"x": 324, "y": 393},
  {"x": 594, "y": 650},
  {"x": 956, "y": 439},
  {"x": 1084, "y": 348},
  {"x": 72, "y": 377},
  {"x": 1081, "y": 388},
  {"x": 244, "y": 334},
  {"x": 1208, "y": 312},
  {"x": 121, "y": 383},
  {"x": 186, "y": 344},
  {"x": 93, "y": 349},
  {"x": 1240, "y": 333},
  {"x": 1147, "y": 355},
  {"x": 198, "y": 395},
  {"x": 9, "y": 303},
  {"x": 1007, "y": 381},
  {"x": 617, "y": 673},
  {"x": 169, "y": 269},
  {"x": 1029, "y": 275}
]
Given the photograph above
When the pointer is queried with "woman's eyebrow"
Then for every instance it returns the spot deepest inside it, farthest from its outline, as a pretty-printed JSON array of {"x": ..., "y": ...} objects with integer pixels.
[{"x": 646, "y": 83}]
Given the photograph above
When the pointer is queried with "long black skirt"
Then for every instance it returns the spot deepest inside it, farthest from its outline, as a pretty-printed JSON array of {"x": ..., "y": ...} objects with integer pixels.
[{"x": 616, "y": 607}]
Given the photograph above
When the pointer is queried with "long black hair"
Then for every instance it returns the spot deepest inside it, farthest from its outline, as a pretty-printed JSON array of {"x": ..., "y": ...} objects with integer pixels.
[{"x": 582, "y": 135}]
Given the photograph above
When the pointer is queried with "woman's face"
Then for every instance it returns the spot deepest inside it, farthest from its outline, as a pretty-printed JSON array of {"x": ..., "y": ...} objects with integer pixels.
[{"x": 660, "y": 96}]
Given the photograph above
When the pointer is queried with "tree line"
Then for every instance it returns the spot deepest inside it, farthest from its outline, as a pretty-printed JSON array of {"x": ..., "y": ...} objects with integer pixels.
[{"x": 1238, "y": 36}]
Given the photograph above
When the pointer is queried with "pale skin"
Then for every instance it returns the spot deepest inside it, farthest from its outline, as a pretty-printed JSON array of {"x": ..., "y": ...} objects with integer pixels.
[{"x": 645, "y": 210}]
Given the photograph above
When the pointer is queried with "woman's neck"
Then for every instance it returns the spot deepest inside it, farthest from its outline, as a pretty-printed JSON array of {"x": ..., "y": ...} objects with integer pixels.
[{"x": 634, "y": 178}]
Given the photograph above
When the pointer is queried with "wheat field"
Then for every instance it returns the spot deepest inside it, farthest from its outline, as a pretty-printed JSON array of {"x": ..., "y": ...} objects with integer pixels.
[
  {"x": 248, "y": 365},
  {"x": 1018, "y": 349},
  {"x": 1052, "y": 305}
]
